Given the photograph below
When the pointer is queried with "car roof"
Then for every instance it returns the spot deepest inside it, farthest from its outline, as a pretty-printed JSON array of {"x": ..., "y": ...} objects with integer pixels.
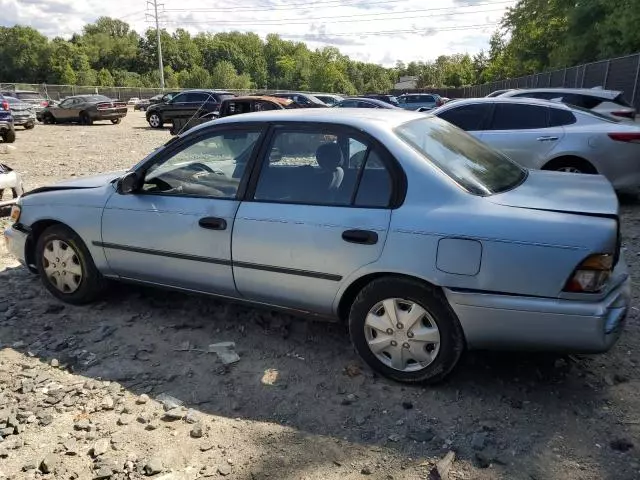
[
  {"x": 594, "y": 92},
  {"x": 22, "y": 91},
  {"x": 374, "y": 101},
  {"x": 354, "y": 117},
  {"x": 280, "y": 101},
  {"x": 522, "y": 100},
  {"x": 204, "y": 90}
]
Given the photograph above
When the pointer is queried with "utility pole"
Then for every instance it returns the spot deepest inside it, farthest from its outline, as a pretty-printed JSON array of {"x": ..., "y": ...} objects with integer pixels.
[{"x": 155, "y": 15}]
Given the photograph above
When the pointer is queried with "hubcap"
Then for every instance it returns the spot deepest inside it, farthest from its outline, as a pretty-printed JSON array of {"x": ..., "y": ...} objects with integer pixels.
[
  {"x": 402, "y": 334},
  {"x": 570, "y": 170},
  {"x": 154, "y": 120},
  {"x": 62, "y": 266}
]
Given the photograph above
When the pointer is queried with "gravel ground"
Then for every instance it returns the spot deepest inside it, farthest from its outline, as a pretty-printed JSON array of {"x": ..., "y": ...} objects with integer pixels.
[{"x": 83, "y": 390}]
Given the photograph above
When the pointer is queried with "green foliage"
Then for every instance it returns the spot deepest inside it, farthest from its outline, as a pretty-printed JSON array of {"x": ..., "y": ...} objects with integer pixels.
[{"x": 105, "y": 79}]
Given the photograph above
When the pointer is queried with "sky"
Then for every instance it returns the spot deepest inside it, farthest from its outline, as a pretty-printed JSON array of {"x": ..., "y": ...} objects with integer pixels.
[{"x": 379, "y": 31}]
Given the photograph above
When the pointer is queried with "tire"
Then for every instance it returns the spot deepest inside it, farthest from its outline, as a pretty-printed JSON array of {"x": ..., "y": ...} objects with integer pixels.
[
  {"x": 155, "y": 120},
  {"x": 29, "y": 126},
  {"x": 48, "y": 119},
  {"x": 9, "y": 136},
  {"x": 570, "y": 165},
  {"x": 435, "y": 360},
  {"x": 85, "y": 118},
  {"x": 115, "y": 121},
  {"x": 73, "y": 289}
]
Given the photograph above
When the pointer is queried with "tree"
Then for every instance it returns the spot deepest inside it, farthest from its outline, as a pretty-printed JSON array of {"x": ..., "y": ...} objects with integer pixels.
[
  {"x": 104, "y": 78},
  {"x": 24, "y": 53},
  {"x": 196, "y": 77}
]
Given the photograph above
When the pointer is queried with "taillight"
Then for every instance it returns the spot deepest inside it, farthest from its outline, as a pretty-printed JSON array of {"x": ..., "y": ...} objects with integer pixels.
[
  {"x": 44, "y": 103},
  {"x": 633, "y": 137},
  {"x": 591, "y": 275},
  {"x": 5, "y": 105},
  {"x": 626, "y": 114}
]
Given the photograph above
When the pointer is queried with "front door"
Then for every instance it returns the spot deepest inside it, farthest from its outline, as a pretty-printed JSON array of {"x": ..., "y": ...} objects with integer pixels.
[
  {"x": 66, "y": 111},
  {"x": 522, "y": 132},
  {"x": 176, "y": 230},
  {"x": 318, "y": 212}
]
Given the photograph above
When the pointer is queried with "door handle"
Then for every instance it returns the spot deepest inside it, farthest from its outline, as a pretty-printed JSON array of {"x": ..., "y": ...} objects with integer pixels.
[
  {"x": 213, "y": 223},
  {"x": 364, "y": 237},
  {"x": 547, "y": 139}
]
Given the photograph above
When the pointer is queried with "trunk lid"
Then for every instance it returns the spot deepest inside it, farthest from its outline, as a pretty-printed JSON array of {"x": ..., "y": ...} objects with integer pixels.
[{"x": 562, "y": 192}]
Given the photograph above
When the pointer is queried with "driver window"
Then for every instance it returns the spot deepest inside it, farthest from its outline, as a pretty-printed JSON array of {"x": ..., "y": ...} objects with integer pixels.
[
  {"x": 211, "y": 167},
  {"x": 66, "y": 103}
]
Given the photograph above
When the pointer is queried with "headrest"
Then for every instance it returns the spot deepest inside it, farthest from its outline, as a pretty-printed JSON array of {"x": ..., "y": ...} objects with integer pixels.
[{"x": 329, "y": 156}]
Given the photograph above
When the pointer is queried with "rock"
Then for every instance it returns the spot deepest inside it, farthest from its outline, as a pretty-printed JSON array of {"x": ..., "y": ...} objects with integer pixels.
[
  {"x": 70, "y": 447},
  {"x": 55, "y": 363},
  {"x": 191, "y": 416},
  {"x": 82, "y": 424},
  {"x": 5, "y": 432},
  {"x": 153, "y": 466},
  {"x": 366, "y": 470},
  {"x": 560, "y": 363},
  {"x": 621, "y": 445},
  {"x": 224, "y": 469},
  {"x": 152, "y": 425},
  {"x": 102, "y": 473},
  {"x": 206, "y": 447},
  {"x": 142, "y": 399},
  {"x": 125, "y": 419},
  {"x": 46, "y": 419},
  {"x": 394, "y": 437},
  {"x": 176, "y": 413},
  {"x": 107, "y": 403},
  {"x": 483, "y": 460},
  {"x": 101, "y": 447},
  {"x": 169, "y": 402},
  {"x": 225, "y": 352},
  {"x": 54, "y": 308},
  {"x": 420, "y": 435},
  {"x": 407, "y": 405},
  {"x": 47, "y": 463},
  {"x": 349, "y": 399},
  {"x": 12, "y": 421},
  {"x": 478, "y": 440},
  {"x": 144, "y": 418},
  {"x": 29, "y": 466},
  {"x": 442, "y": 468},
  {"x": 196, "y": 431},
  {"x": 360, "y": 420}
]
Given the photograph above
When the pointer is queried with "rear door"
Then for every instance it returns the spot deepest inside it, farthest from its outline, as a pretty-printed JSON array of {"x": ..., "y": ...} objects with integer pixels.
[
  {"x": 522, "y": 132},
  {"x": 317, "y": 210}
]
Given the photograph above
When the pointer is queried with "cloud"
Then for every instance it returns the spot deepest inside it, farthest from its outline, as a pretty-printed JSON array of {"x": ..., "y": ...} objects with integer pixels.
[{"x": 324, "y": 38}]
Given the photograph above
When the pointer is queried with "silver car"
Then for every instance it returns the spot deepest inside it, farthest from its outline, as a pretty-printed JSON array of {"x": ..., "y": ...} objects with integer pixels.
[
  {"x": 552, "y": 136},
  {"x": 23, "y": 113},
  {"x": 421, "y": 238}
]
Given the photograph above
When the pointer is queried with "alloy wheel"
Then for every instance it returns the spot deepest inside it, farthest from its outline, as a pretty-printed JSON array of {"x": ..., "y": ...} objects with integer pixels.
[{"x": 154, "y": 120}]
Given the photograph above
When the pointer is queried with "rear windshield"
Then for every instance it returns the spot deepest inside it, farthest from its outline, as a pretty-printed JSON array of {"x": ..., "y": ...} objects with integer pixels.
[
  {"x": 620, "y": 100},
  {"x": 473, "y": 165},
  {"x": 13, "y": 100},
  {"x": 28, "y": 95},
  {"x": 97, "y": 98},
  {"x": 598, "y": 115}
]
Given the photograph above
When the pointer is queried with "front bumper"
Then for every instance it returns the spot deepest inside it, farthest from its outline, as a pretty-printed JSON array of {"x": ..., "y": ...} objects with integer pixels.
[
  {"x": 531, "y": 323},
  {"x": 23, "y": 119},
  {"x": 16, "y": 242}
]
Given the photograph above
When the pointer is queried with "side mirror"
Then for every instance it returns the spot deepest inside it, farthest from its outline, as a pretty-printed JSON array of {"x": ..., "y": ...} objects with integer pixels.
[{"x": 128, "y": 183}]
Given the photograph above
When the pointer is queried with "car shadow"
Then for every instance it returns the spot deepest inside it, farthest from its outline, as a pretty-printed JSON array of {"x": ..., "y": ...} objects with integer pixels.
[{"x": 304, "y": 375}]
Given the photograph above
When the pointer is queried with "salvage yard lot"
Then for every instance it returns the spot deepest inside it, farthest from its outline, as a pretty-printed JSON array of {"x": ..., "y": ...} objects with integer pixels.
[{"x": 298, "y": 404}]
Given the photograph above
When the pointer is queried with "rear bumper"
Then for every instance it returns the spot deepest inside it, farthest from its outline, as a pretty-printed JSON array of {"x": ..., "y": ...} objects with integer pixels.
[
  {"x": 531, "y": 323},
  {"x": 109, "y": 115}
]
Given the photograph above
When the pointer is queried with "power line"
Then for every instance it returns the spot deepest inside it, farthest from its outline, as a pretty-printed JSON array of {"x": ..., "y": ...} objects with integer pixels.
[
  {"x": 338, "y": 3},
  {"x": 160, "y": 66},
  {"x": 296, "y": 21},
  {"x": 431, "y": 31}
]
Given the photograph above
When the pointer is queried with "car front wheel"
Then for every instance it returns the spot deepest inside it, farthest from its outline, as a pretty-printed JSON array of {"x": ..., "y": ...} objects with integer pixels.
[
  {"x": 9, "y": 136},
  {"x": 406, "y": 330},
  {"x": 115, "y": 121},
  {"x": 66, "y": 267},
  {"x": 155, "y": 121},
  {"x": 29, "y": 126}
]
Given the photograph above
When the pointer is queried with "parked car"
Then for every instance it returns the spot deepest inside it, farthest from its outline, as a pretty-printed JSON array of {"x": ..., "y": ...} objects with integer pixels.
[
  {"x": 552, "y": 136},
  {"x": 302, "y": 99},
  {"x": 328, "y": 98},
  {"x": 34, "y": 98},
  {"x": 9, "y": 180},
  {"x": 359, "y": 102},
  {"x": 187, "y": 104},
  {"x": 133, "y": 101},
  {"x": 7, "y": 129},
  {"x": 419, "y": 101},
  {"x": 234, "y": 106},
  {"x": 85, "y": 109},
  {"x": 23, "y": 113},
  {"x": 607, "y": 102},
  {"x": 142, "y": 105},
  {"x": 385, "y": 98},
  {"x": 497, "y": 93},
  {"x": 429, "y": 243},
  {"x": 163, "y": 97}
]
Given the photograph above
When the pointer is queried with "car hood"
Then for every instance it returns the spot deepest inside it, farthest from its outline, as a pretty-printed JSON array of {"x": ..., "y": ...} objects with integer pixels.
[
  {"x": 93, "y": 181},
  {"x": 562, "y": 192}
]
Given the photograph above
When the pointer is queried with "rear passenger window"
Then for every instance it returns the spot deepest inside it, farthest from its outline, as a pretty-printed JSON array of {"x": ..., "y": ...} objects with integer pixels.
[
  {"x": 323, "y": 168},
  {"x": 513, "y": 116},
  {"x": 467, "y": 117},
  {"x": 559, "y": 117}
]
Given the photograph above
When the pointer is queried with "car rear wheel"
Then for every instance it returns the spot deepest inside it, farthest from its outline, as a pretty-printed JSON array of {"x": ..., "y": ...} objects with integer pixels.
[
  {"x": 48, "y": 118},
  {"x": 154, "y": 120},
  {"x": 85, "y": 118},
  {"x": 115, "y": 121},
  {"x": 570, "y": 165},
  {"x": 66, "y": 267},
  {"x": 406, "y": 330},
  {"x": 9, "y": 136},
  {"x": 29, "y": 125}
]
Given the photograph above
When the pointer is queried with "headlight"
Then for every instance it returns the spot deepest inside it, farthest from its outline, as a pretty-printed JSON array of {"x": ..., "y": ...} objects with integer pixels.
[
  {"x": 591, "y": 275},
  {"x": 15, "y": 213}
]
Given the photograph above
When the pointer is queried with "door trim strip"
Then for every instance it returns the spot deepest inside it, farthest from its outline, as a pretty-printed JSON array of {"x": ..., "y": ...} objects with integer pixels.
[{"x": 219, "y": 261}]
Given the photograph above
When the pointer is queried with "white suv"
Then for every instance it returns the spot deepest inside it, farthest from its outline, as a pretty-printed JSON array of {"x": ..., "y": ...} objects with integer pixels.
[{"x": 607, "y": 102}]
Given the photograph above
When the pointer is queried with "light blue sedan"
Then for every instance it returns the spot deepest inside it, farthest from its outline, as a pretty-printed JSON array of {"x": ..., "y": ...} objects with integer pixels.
[{"x": 424, "y": 240}]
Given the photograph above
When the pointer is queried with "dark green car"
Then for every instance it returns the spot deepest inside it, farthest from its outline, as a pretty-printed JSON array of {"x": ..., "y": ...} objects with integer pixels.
[{"x": 85, "y": 109}]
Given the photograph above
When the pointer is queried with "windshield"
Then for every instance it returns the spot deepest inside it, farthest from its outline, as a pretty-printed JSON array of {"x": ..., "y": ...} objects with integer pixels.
[
  {"x": 474, "y": 166},
  {"x": 393, "y": 100}
]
